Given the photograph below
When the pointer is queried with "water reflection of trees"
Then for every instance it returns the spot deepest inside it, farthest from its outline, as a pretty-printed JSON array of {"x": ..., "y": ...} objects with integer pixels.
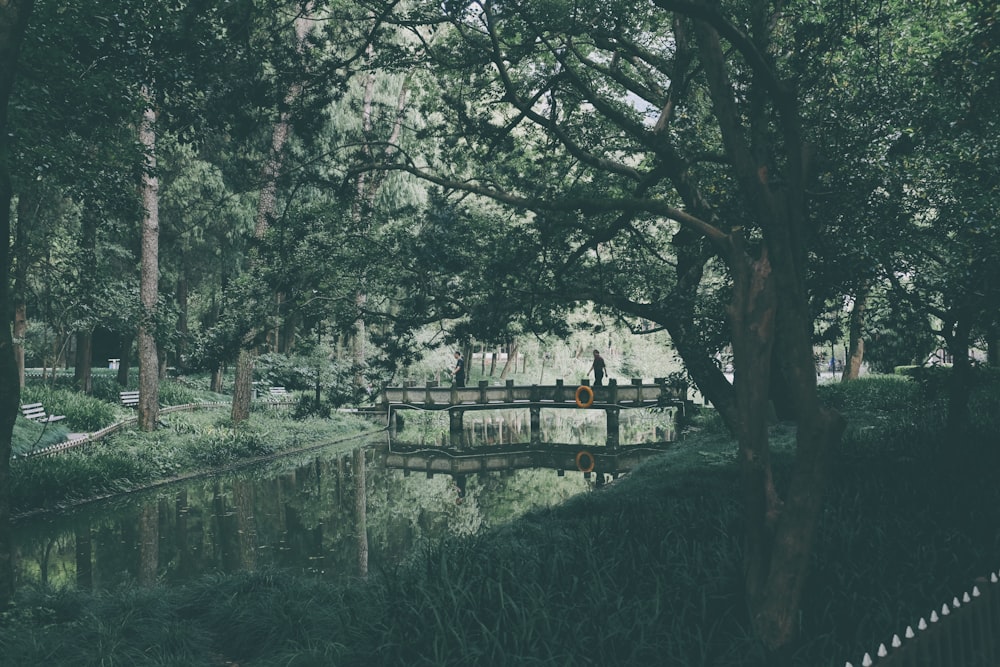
[
  {"x": 507, "y": 427},
  {"x": 313, "y": 514}
]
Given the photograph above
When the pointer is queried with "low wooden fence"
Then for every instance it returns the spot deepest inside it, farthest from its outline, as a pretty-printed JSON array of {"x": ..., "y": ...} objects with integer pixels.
[
  {"x": 964, "y": 633},
  {"x": 84, "y": 438}
]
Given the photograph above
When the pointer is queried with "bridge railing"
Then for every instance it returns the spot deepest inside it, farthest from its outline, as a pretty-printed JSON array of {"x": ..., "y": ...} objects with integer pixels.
[
  {"x": 635, "y": 394},
  {"x": 964, "y": 633}
]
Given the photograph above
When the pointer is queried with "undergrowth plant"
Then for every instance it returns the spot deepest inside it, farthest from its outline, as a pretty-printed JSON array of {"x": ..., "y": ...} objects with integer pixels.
[{"x": 648, "y": 571}]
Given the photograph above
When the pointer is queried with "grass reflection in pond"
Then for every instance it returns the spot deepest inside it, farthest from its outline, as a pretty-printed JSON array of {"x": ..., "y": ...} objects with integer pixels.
[{"x": 301, "y": 513}]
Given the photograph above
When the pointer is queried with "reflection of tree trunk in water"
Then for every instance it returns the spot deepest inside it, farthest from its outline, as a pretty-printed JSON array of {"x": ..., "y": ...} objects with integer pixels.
[
  {"x": 340, "y": 481},
  {"x": 226, "y": 543},
  {"x": 149, "y": 544},
  {"x": 84, "y": 555},
  {"x": 246, "y": 525},
  {"x": 361, "y": 510},
  {"x": 43, "y": 563},
  {"x": 185, "y": 562}
]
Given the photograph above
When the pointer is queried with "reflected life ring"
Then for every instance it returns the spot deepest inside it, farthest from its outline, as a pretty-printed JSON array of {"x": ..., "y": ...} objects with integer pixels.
[
  {"x": 584, "y": 389},
  {"x": 583, "y": 453}
]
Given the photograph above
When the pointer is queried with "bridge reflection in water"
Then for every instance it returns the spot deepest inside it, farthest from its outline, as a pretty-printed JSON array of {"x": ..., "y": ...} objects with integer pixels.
[{"x": 504, "y": 441}]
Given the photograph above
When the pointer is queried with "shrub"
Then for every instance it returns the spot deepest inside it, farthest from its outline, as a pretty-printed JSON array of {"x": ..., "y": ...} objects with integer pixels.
[
  {"x": 83, "y": 413},
  {"x": 29, "y": 436}
]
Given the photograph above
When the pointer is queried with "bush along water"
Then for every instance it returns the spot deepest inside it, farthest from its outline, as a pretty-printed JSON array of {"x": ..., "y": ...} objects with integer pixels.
[
  {"x": 188, "y": 442},
  {"x": 645, "y": 572}
]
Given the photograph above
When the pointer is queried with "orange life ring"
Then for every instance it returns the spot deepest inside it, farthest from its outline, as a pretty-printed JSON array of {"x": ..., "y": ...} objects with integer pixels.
[
  {"x": 590, "y": 396},
  {"x": 579, "y": 456}
]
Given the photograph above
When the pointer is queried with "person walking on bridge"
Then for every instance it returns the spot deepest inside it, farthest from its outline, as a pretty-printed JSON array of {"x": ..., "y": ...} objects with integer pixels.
[
  {"x": 598, "y": 368},
  {"x": 458, "y": 374}
]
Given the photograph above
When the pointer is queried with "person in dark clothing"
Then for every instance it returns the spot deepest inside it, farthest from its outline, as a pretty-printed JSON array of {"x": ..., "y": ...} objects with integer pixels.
[
  {"x": 598, "y": 367},
  {"x": 458, "y": 374}
]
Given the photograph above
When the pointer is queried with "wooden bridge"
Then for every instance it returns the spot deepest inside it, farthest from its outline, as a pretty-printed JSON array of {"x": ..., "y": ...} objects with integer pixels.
[
  {"x": 612, "y": 399},
  {"x": 504, "y": 459}
]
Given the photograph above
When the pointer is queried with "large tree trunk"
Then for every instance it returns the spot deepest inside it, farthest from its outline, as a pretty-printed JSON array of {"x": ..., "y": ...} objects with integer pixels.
[
  {"x": 770, "y": 311},
  {"x": 82, "y": 376},
  {"x": 149, "y": 365},
  {"x": 856, "y": 341},
  {"x": 243, "y": 386},
  {"x": 960, "y": 379},
  {"x": 13, "y": 23}
]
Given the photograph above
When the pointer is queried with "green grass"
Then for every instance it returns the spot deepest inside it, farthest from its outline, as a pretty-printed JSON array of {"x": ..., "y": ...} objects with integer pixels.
[
  {"x": 645, "y": 572},
  {"x": 187, "y": 442}
]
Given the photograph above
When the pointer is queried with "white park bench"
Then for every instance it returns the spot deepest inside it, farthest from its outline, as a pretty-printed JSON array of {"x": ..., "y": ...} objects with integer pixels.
[
  {"x": 129, "y": 399},
  {"x": 36, "y": 412}
]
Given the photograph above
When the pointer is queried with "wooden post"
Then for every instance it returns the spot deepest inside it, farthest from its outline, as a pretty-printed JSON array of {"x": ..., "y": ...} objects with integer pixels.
[
  {"x": 558, "y": 395},
  {"x": 637, "y": 383},
  {"x": 613, "y": 392},
  {"x": 483, "y": 384},
  {"x": 509, "y": 395},
  {"x": 428, "y": 399},
  {"x": 613, "y": 438}
]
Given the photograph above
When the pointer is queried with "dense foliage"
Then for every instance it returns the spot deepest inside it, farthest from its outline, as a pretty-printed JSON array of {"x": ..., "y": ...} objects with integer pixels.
[{"x": 643, "y": 572}]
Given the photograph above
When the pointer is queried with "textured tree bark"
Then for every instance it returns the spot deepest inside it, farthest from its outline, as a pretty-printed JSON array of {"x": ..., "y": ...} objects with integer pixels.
[
  {"x": 124, "y": 361},
  {"x": 772, "y": 327},
  {"x": 243, "y": 386},
  {"x": 20, "y": 284},
  {"x": 266, "y": 207},
  {"x": 13, "y": 23},
  {"x": 149, "y": 365},
  {"x": 84, "y": 356},
  {"x": 856, "y": 341}
]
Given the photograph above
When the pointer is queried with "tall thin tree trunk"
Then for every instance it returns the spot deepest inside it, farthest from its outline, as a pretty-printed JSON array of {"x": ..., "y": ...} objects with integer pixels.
[
  {"x": 366, "y": 189},
  {"x": 511, "y": 361},
  {"x": 87, "y": 258},
  {"x": 82, "y": 375},
  {"x": 266, "y": 208},
  {"x": 149, "y": 365},
  {"x": 182, "y": 321},
  {"x": 124, "y": 360},
  {"x": 20, "y": 261},
  {"x": 960, "y": 379}
]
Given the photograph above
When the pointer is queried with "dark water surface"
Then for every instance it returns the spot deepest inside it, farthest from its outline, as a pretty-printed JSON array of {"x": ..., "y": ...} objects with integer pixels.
[{"x": 336, "y": 511}]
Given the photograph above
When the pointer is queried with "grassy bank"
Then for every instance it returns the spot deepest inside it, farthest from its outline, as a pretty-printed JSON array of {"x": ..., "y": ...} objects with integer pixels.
[
  {"x": 187, "y": 442},
  {"x": 644, "y": 572}
]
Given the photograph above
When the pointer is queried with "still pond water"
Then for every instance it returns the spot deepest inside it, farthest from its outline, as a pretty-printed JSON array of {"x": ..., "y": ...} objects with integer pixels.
[{"x": 335, "y": 511}]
